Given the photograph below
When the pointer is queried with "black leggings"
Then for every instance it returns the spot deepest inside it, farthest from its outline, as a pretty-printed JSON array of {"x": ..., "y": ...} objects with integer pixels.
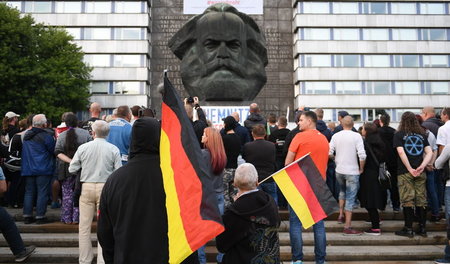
[{"x": 374, "y": 217}]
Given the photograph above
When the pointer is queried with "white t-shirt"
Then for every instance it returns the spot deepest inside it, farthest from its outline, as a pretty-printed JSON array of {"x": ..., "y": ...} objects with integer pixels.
[
  {"x": 443, "y": 160},
  {"x": 348, "y": 147},
  {"x": 443, "y": 136}
]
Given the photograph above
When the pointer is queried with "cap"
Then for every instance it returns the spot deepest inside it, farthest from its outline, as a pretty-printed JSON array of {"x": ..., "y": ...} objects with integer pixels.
[
  {"x": 229, "y": 123},
  {"x": 11, "y": 114},
  {"x": 342, "y": 113}
]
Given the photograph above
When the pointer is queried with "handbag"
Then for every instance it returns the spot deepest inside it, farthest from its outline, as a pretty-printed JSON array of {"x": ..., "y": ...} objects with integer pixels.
[{"x": 384, "y": 176}]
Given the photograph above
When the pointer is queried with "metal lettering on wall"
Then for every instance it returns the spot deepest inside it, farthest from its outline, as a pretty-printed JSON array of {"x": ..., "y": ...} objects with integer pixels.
[{"x": 278, "y": 93}]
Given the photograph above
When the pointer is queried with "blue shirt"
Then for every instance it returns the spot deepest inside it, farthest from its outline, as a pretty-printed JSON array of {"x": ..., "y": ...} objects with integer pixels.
[{"x": 120, "y": 136}]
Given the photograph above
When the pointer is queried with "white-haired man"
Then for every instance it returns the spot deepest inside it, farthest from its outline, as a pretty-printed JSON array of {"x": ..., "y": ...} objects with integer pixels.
[
  {"x": 251, "y": 222},
  {"x": 97, "y": 159}
]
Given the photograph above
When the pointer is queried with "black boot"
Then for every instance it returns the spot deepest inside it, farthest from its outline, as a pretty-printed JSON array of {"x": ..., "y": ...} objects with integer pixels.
[
  {"x": 408, "y": 213},
  {"x": 422, "y": 213}
]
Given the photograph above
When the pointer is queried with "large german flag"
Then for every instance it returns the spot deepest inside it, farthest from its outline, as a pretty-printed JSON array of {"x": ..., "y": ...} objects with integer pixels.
[
  {"x": 192, "y": 210},
  {"x": 306, "y": 191}
]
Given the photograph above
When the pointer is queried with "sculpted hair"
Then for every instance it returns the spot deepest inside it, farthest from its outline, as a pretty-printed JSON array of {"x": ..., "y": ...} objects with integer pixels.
[
  {"x": 101, "y": 128},
  {"x": 409, "y": 124},
  {"x": 39, "y": 120},
  {"x": 385, "y": 119},
  {"x": 311, "y": 115},
  {"x": 71, "y": 144},
  {"x": 259, "y": 130},
  {"x": 135, "y": 110},
  {"x": 272, "y": 118},
  {"x": 215, "y": 146},
  {"x": 446, "y": 111},
  {"x": 282, "y": 121},
  {"x": 246, "y": 177}
]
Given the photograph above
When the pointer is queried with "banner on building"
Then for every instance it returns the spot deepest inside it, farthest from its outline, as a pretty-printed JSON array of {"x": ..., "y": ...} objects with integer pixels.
[
  {"x": 216, "y": 113},
  {"x": 250, "y": 7}
]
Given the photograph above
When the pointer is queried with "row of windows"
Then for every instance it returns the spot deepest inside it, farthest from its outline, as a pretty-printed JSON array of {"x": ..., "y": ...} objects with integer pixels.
[
  {"x": 360, "y": 115},
  {"x": 116, "y": 60},
  {"x": 408, "y": 8},
  {"x": 358, "y": 60},
  {"x": 108, "y": 33},
  {"x": 369, "y": 87},
  {"x": 118, "y": 88},
  {"x": 80, "y": 6},
  {"x": 373, "y": 34}
]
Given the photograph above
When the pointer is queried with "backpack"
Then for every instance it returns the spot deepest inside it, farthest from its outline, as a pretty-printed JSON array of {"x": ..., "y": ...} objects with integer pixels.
[{"x": 14, "y": 160}]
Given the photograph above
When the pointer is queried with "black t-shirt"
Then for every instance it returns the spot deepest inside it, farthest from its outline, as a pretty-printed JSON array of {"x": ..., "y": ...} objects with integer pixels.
[
  {"x": 278, "y": 137},
  {"x": 232, "y": 145},
  {"x": 414, "y": 147}
]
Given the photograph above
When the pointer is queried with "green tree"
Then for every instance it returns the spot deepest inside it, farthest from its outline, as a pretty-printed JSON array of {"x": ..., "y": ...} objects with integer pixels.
[{"x": 41, "y": 70}]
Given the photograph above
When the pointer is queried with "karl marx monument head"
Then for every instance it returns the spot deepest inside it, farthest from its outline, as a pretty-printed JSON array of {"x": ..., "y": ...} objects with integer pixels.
[{"x": 223, "y": 55}]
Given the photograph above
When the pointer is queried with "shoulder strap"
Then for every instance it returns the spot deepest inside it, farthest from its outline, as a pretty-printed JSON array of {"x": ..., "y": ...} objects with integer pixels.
[{"x": 373, "y": 154}]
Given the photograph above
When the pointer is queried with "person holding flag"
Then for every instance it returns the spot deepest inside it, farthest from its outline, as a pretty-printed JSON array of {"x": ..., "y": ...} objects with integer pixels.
[{"x": 311, "y": 207}]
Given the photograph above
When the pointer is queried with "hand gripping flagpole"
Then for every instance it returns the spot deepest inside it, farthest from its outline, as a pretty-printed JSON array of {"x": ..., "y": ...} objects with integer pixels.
[{"x": 290, "y": 164}]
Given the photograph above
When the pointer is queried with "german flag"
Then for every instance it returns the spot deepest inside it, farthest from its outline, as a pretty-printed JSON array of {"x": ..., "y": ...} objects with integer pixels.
[
  {"x": 192, "y": 210},
  {"x": 306, "y": 191}
]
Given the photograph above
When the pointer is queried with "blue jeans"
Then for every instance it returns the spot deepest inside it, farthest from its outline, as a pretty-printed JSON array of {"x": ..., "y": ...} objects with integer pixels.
[
  {"x": 270, "y": 188},
  {"x": 295, "y": 234},
  {"x": 447, "y": 217},
  {"x": 10, "y": 232},
  {"x": 432, "y": 192},
  {"x": 349, "y": 186},
  {"x": 201, "y": 250},
  {"x": 36, "y": 187}
]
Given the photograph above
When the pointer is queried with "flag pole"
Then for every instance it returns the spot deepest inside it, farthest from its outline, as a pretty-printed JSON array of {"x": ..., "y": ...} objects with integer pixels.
[{"x": 292, "y": 163}]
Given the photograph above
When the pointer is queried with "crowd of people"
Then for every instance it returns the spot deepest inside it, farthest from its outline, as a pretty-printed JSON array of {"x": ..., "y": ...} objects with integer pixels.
[{"x": 71, "y": 165}]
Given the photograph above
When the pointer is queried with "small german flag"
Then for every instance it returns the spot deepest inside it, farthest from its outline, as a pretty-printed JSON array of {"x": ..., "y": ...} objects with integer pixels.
[
  {"x": 306, "y": 191},
  {"x": 192, "y": 210}
]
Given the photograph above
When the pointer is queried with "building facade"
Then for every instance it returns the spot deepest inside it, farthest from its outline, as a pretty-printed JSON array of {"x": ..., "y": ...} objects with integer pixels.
[{"x": 365, "y": 57}]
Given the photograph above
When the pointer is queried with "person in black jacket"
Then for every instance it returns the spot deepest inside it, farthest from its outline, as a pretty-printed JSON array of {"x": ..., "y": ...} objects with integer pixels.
[
  {"x": 200, "y": 124},
  {"x": 251, "y": 223},
  {"x": 261, "y": 153},
  {"x": 132, "y": 225},
  {"x": 254, "y": 118}
]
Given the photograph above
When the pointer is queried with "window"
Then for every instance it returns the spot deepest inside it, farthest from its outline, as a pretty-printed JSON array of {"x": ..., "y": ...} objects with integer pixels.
[
  {"x": 128, "y": 61},
  {"x": 15, "y": 4},
  {"x": 432, "y": 8},
  {"x": 348, "y": 87},
  {"x": 75, "y": 32},
  {"x": 129, "y": 87},
  {"x": 378, "y": 87},
  {"x": 406, "y": 60},
  {"x": 128, "y": 33},
  {"x": 403, "y": 8},
  {"x": 355, "y": 113},
  {"x": 38, "y": 7},
  {"x": 373, "y": 114},
  {"x": 317, "y": 33},
  {"x": 434, "y": 34},
  {"x": 318, "y": 87},
  {"x": 345, "y": 8},
  {"x": 128, "y": 7},
  {"x": 375, "y": 34},
  {"x": 99, "y": 87},
  {"x": 435, "y": 61},
  {"x": 316, "y": 8},
  {"x": 97, "y": 60},
  {"x": 347, "y": 61},
  {"x": 437, "y": 88},
  {"x": 375, "y": 8},
  {"x": 318, "y": 60},
  {"x": 404, "y": 34},
  {"x": 98, "y": 7},
  {"x": 346, "y": 34},
  {"x": 97, "y": 33},
  {"x": 377, "y": 61},
  {"x": 401, "y": 111},
  {"x": 407, "y": 88},
  {"x": 68, "y": 7}
]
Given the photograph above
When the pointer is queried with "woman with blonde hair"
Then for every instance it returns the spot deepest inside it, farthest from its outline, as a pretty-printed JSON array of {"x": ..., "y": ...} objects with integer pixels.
[{"x": 214, "y": 155}]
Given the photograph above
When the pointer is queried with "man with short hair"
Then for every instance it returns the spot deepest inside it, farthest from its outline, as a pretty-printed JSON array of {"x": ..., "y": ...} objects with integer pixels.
[
  {"x": 38, "y": 167},
  {"x": 254, "y": 118},
  {"x": 430, "y": 121},
  {"x": 135, "y": 113},
  {"x": 251, "y": 223},
  {"x": 387, "y": 135},
  {"x": 120, "y": 132},
  {"x": 241, "y": 131},
  {"x": 443, "y": 137},
  {"x": 346, "y": 146},
  {"x": 96, "y": 159},
  {"x": 341, "y": 115},
  {"x": 261, "y": 153},
  {"x": 309, "y": 141},
  {"x": 95, "y": 109}
]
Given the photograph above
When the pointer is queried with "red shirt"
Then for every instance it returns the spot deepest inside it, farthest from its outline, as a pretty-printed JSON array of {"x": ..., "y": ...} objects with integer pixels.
[{"x": 312, "y": 141}]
